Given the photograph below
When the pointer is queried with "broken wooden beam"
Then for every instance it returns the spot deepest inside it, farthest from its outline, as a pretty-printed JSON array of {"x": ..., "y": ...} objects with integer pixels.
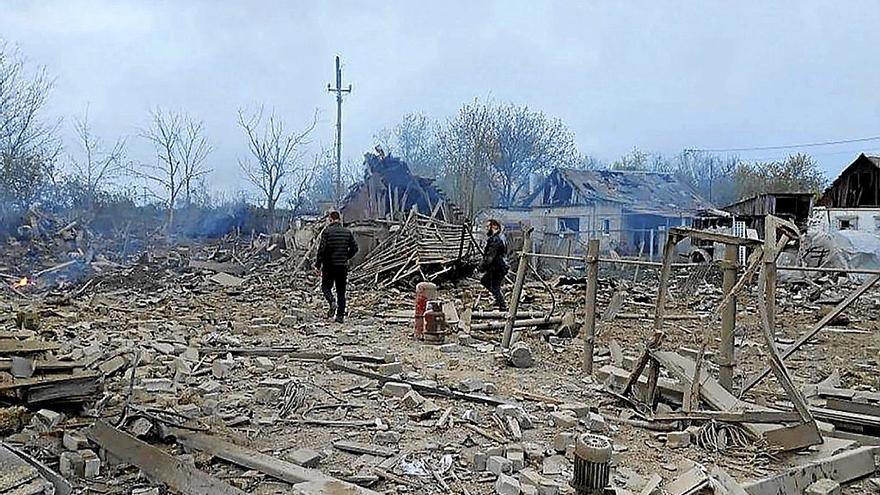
[
  {"x": 156, "y": 464},
  {"x": 266, "y": 464},
  {"x": 731, "y": 416},
  {"x": 531, "y": 322},
  {"x": 363, "y": 448},
  {"x": 339, "y": 364},
  {"x": 46, "y": 365},
  {"x": 14, "y": 346},
  {"x": 77, "y": 387},
  {"x": 500, "y": 315},
  {"x": 843, "y": 468}
]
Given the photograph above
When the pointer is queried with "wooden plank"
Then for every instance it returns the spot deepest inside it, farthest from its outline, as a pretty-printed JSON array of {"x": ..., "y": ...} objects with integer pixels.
[
  {"x": 710, "y": 390},
  {"x": 713, "y": 236},
  {"x": 252, "y": 459},
  {"x": 788, "y": 438},
  {"x": 727, "y": 359},
  {"x": 79, "y": 389},
  {"x": 364, "y": 448},
  {"x": 46, "y": 365},
  {"x": 843, "y": 468},
  {"x": 13, "y": 346},
  {"x": 854, "y": 407},
  {"x": 846, "y": 417},
  {"x": 49, "y": 380},
  {"x": 156, "y": 464},
  {"x": 732, "y": 417}
]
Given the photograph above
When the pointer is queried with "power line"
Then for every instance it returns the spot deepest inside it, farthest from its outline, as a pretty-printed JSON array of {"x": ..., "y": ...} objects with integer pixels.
[{"x": 787, "y": 146}]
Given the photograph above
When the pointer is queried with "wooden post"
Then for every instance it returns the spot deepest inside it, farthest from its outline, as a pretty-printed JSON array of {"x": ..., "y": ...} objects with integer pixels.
[
  {"x": 589, "y": 330},
  {"x": 770, "y": 255},
  {"x": 728, "y": 320},
  {"x": 517, "y": 287},
  {"x": 657, "y": 335},
  {"x": 659, "y": 313}
]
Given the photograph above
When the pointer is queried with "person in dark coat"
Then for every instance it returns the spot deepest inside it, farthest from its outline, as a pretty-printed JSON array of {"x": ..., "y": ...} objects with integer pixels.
[
  {"x": 336, "y": 248},
  {"x": 494, "y": 265}
]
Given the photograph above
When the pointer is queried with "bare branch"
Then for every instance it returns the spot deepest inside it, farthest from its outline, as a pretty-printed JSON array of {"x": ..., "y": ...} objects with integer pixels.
[{"x": 276, "y": 155}]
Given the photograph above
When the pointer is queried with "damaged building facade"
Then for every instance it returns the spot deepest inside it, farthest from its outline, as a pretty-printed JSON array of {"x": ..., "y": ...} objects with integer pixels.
[
  {"x": 852, "y": 202},
  {"x": 629, "y": 211}
]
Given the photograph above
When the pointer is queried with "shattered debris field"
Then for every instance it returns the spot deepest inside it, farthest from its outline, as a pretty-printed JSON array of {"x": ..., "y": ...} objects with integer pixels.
[{"x": 210, "y": 369}]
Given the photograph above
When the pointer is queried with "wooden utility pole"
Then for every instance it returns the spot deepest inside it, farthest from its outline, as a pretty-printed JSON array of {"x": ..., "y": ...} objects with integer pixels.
[
  {"x": 589, "y": 330},
  {"x": 339, "y": 90},
  {"x": 728, "y": 319}
]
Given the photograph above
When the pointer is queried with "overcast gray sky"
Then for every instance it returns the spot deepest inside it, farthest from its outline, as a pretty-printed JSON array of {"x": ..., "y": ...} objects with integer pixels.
[{"x": 657, "y": 75}]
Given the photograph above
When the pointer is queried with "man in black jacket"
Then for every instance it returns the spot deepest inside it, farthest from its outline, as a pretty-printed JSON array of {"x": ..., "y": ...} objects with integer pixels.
[
  {"x": 336, "y": 248},
  {"x": 494, "y": 262}
]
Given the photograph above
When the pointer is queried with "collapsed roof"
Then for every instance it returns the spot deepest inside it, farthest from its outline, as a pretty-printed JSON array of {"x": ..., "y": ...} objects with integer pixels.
[
  {"x": 391, "y": 190},
  {"x": 653, "y": 193}
]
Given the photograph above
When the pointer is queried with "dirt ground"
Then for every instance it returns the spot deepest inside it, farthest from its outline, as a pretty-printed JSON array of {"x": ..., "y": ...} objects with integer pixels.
[{"x": 127, "y": 311}]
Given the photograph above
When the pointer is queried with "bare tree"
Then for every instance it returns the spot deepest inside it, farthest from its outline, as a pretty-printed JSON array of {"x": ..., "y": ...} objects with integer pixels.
[
  {"x": 22, "y": 97},
  {"x": 28, "y": 144},
  {"x": 528, "y": 143},
  {"x": 276, "y": 155},
  {"x": 167, "y": 172},
  {"x": 414, "y": 140},
  {"x": 97, "y": 165},
  {"x": 194, "y": 150},
  {"x": 469, "y": 148},
  {"x": 302, "y": 182},
  {"x": 181, "y": 149}
]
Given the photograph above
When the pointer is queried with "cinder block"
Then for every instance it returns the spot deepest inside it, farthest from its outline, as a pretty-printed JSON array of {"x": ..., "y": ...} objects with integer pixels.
[
  {"x": 678, "y": 439},
  {"x": 499, "y": 465},
  {"x": 563, "y": 419},
  {"x": 507, "y": 485},
  {"x": 413, "y": 400},
  {"x": 74, "y": 441}
]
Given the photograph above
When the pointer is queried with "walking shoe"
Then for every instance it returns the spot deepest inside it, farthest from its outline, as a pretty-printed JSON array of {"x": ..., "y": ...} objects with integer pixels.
[
  {"x": 340, "y": 319},
  {"x": 332, "y": 310}
]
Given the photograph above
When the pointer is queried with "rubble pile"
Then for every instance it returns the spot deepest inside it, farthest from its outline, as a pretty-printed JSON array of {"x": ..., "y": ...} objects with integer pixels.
[
  {"x": 213, "y": 373},
  {"x": 423, "y": 248}
]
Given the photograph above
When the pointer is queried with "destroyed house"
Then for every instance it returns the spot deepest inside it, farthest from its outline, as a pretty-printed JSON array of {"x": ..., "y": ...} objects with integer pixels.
[
  {"x": 390, "y": 191},
  {"x": 629, "y": 211},
  {"x": 852, "y": 201},
  {"x": 792, "y": 206}
]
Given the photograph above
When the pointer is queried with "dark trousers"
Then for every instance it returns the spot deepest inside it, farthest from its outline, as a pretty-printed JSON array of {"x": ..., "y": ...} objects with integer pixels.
[
  {"x": 338, "y": 276},
  {"x": 492, "y": 281}
]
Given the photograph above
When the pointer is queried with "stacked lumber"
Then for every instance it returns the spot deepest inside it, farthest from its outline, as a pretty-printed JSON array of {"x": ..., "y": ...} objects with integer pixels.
[
  {"x": 423, "y": 248},
  {"x": 33, "y": 378}
]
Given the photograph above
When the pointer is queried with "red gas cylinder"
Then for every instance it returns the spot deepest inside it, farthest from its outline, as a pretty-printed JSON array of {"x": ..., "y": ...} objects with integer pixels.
[{"x": 425, "y": 291}]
